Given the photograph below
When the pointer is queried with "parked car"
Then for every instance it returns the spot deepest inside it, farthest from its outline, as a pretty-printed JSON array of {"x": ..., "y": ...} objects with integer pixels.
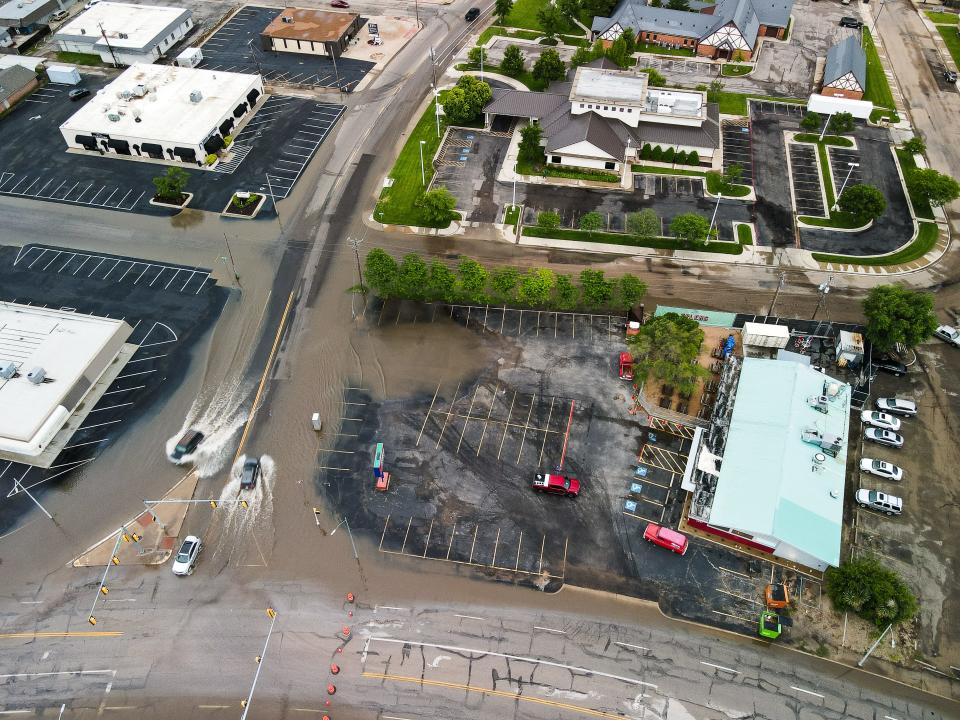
[
  {"x": 187, "y": 443},
  {"x": 90, "y": 4},
  {"x": 626, "y": 366},
  {"x": 78, "y": 93},
  {"x": 950, "y": 76},
  {"x": 883, "y": 437},
  {"x": 879, "y": 501},
  {"x": 666, "y": 538},
  {"x": 850, "y": 22},
  {"x": 880, "y": 420},
  {"x": 888, "y": 364},
  {"x": 556, "y": 484},
  {"x": 59, "y": 15},
  {"x": 250, "y": 473},
  {"x": 186, "y": 560},
  {"x": 948, "y": 334},
  {"x": 896, "y": 406},
  {"x": 881, "y": 468},
  {"x": 472, "y": 14},
  {"x": 340, "y": 4}
]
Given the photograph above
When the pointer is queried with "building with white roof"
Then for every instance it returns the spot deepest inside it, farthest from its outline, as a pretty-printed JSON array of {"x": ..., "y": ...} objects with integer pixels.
[
  {"x": 164, "y": 112},
  {"x": 54, "y": 367},
  {"x": 125, "y": 34}
]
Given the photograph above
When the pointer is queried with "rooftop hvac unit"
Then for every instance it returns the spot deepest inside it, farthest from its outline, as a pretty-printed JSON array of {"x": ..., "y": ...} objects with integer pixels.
[
  {"x": 818, "y": 403},
  {"x": 138, "y": 90},
  {"x": 196, "y": 96},
  {"x": 37, "y": 375},
  {"x": 7, "y": 370},
  {"x": 123, "y": 36},
  {"x": 287, "y": 19},
  {"x": 113, "y": 116}
]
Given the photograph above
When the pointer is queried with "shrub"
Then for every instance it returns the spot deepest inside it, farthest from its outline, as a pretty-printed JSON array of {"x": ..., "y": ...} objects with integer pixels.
[
  {"x": 693, "y": 158},
  {"x": 680, "y": 158},
  {"x": 657, "y": 154},
  {"x": 872, "y": 591},
  {"x": 437, "y": 205},
  {"x": 170, "y": 186},
  {"x": 210, "y": 159},
  {"x": 548, "y": 219},
  {"x": 915, "y": 145},
  {"x": 646, "y": 152},
  {"x": 811, "y": 121},
  {"x": 669, "y": 154}
]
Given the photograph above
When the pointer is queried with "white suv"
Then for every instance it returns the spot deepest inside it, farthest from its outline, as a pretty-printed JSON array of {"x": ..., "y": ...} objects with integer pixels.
[{"x": 879, "y": 501}]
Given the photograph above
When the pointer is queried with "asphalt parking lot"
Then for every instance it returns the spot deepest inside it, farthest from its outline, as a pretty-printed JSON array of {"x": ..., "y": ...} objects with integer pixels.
[
  {"x": 842, "y": 162},
  {"x": 235, "y": 47},
  {"x": 278, "y": 141},
  {"x": 467, "y": 166},
  {"x": 168, "y": 306},
  {"x": 737, "y": 149},
  {"x": 808, "y": 196}
]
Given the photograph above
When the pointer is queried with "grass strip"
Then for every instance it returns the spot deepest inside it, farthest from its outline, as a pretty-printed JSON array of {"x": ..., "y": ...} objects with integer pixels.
[
  {"x": 657, "y": 170},
  {"x": 732, "y": 103},
  {"x": 75, "y": 58},
  {"x": 942, "y": 18},
  {"x": 736, "y": 70},
  {"x": 653, "y": 49},
  {"x": 925, "y": 241},
  {"x": 745, "y": 234},
  {"x": 838, "y": 219},
  {"x": 827, "y": 139},
  {"x": 717, "y": 186},
  {"x": 921, "y": 207},
  {"x": 570, "y": 173},
  {"x": 512, "y": 215},
  {"x": 951, "y": 38},
  {"x": 721, "y": 248},
  {"x": 878, "y": 87}
]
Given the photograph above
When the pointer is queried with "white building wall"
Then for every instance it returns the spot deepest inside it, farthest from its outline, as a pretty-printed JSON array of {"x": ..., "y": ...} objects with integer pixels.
[
  {"x": 627, "y": 115},
  {"x": 581, "y": 161},
  {"x": 301, "y": 47},
  {"x": 127, "y": 55}
]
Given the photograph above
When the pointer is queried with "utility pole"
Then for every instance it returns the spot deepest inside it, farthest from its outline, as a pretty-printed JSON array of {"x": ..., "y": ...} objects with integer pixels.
[
  {"x": 103, "y": 32},
  {"x": 714, "y": 218},
  {"x": 433, "y": 66},
  {"x": 274, "y": 199},
  {"x": 233, "y": 265},
  {"x": 272, "y": 614},
  {"x": 822, "y": 291},
  {"x": 825, "y": 126},
  {"x": 874, "y": 646},
  {"x": 355, "y": 244},
  {"x": 780, "y": 283}
]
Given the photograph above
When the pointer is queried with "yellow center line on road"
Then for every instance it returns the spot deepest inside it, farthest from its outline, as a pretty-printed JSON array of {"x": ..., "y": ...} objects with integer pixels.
[
  {"x": 66, "y": 634},
  {"x": 498, "y": 693}
]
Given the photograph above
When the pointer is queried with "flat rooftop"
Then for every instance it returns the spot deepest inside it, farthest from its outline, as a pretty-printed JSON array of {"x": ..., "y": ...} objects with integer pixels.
[
  {"x": 126, "y": 26},
  {"x": 73, "y": 350},
  {"x": 609, "y": 85},
  {"x": 165, "y": 111},
  {"x": 315, "y": 25}
]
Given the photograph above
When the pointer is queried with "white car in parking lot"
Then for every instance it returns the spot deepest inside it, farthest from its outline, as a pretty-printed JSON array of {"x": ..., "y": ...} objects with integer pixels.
[
  {"x": 883, "y": 437},
  {"x": 879, "y": 420},
  {"x": 896, "y": 406},
  {"x": 881, "y": 468},
  {"x": 948, "y": 334},
  {"x": 879, "y": 501}
]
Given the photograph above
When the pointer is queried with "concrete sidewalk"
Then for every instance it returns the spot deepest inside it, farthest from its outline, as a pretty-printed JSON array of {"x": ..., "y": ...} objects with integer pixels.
[{"x": 158, "y": 530}]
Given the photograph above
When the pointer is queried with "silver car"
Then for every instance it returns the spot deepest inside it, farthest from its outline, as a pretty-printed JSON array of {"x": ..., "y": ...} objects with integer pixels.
[
  {"x": 881, "y": 468},
  {"x": 883, "y": 437},
  {"x": 879, "y": 501},
  {"x": 879, "y": 420},
  {"x": 896, "y": 406}
]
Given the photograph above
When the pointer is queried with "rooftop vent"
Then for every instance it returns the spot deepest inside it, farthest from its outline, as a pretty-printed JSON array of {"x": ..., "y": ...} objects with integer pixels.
[
  {"x": 196, "y": 96},
  {"x": 138, "y": 90},
  {"x": 818, "y": 403},
  {"x": 123, "y": 36},
  {"x": 37, "y": 375},
  {"x": 83, "y": 31},
  {"x": 113, "y": 116},
  {"x": 286, "y": 19},
  {"x": 7, "y": 370}
]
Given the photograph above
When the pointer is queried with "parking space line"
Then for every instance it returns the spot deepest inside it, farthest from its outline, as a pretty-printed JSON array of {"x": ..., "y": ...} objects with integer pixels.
[
  {"x": 467, "y": 421},
  {"x": 447, "y": 418},
  {"x": 59, "y": 253},
  {"x": 543, "y": 445},
  {"x": 507, "y": 424}
]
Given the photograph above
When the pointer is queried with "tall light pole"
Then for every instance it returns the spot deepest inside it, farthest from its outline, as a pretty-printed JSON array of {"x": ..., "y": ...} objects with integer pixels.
[
  {"x": 836, "y": 202},
  {"x": 436, "y": 100},
  {"x": 423, "y": 176},
  {"x": 246, "y": 703},
  {"x": 713, "y": 219},
  {"x": 823, "y": 289},
  {"x": 780, "y": 283},
  {"x": 825, "y": 126},
  {"x": 514, "y": 203},
  {"x": 274, "y": 200},
  {"x": 482, "y": 53}
]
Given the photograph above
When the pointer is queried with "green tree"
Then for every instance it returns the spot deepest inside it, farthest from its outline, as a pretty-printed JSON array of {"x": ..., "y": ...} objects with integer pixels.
[
  {"x": 504, "y": 281},
  {"x": 715, "y": 91},
  {"x": 530, "y": 150},
  {"x": 548, "y": 219},
  {"x": 932, "y": 186},
  {"x": 617, "y": 52},
  {"x": 599, "y": 8},
  {"x": 382, "y": 273},
  {"x": 170, "y": 186},
  {"x": 898, "y": 315},
  {"x": 630, "y": 38},
  {"x": 811, "y": 122},
  {"x": 471, "y": 280},
  {"x": 654, "y": 77},
  {"x": 512, "y": 63},
  {"x": 476, "y": 91},
  {"x": 412, "y": 278},
  {"x": 591, "y": 222},
  {"x": 678, "y": 4},
  {"x": 862, "y": 201},
  {"x": 690, "y": 227},
  {"x": 536, "y": 287},
  {"x": 565, "y": 293},
  {"x": 915, "y": 145},
  {"x": 871, "y": 590},
  {"x": 551, "y": 20},
  {"x": 549, "y": 66},
  {"x": 501, "y": 9},
  {"x": 667, "y": 348},
  {"x": 441, "y": 282},
  {"x": 629, "y": 291},
  {"x": 568, "y": 8},
  {"x": 841, "y": 123},
  {"x": 733, "y": 174},
  {"x": 643, "y": 224},
  {"x": 597, "y": 50},
  {"x": 475, "y": 54},
  {"x": 581, "y": 56},
  {"x": 595, "y": 289},
  {"x": 457, "y": 107},
  {"x": 437, "y": 205},
  {"x": 693, "y": 158}
]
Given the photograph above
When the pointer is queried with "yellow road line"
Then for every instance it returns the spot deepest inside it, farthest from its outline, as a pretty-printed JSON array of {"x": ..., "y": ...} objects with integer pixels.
[
  {"x": 263, "y": 379},
  {"x": 68, "y": 634},
  {"x": 498, "y": 693}
]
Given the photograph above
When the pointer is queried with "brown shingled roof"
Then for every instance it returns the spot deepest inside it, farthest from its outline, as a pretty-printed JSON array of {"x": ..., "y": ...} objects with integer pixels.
[{"x": 316, "y": 25}]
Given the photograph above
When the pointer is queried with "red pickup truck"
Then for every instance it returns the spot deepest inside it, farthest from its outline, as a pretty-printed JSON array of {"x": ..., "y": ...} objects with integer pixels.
[{"x": 556, "y": 485}]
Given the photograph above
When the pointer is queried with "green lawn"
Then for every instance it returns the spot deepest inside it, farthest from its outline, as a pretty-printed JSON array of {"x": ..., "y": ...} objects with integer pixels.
[
  {"x": 512, "y": 215},
  {"x": 572, "y": 173},
  {"x": 745, "y": 234},
  {"x": 506, "y": 32},
  {"x": 878, "y": 88},
  {"x": 715, "y": 186},
  {"x": 952, "y": 40},
  {"x": 825, "y": 174},
  {"x": 575, "y": 41},
  {"x": 526, "y": 77},
  {"x": 878, "y": 113},
  {"x": 827, "y": 139},
  {"x": 655, "y": 49},
  {"x": 921, "y": 207},
  {"x": 723, "y": 248},
  {"x": 657, "y": 170},
  {"x": 942, "y": 18},
  {"x": 838, "y": 219},
  {"x": 924, "y": 242},
  {"x": 396, "y": 206},
  {"x": 736, "y": 70},
  {"x": 732, "y": 103},
  {"x": 75, "y": 58},
  {"x": 524, "y": 15}
]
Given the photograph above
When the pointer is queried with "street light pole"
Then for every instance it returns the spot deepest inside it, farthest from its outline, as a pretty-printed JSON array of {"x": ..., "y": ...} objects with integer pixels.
[
  {"x": 423, "y": 176},
  {"x": 350, "y": 533},
  {"x": 836, "y": 202},
  {"x": 246, "y": 705},
  {"x": 713, "y": 219},
  {"x": 776, "y": 294},
  {"x": 274, "y": 200},
  {"x": 436, "y": 101},
  {"x": 825, "y": 126},
  {"x": 514, "y": 203},
  {"x": 822, "y": 291}
]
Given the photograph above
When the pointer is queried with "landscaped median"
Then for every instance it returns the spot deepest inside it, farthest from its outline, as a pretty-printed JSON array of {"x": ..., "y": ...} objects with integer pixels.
[
  {"x": 627, "y": 241},
  {"x": 921, "y": 207},
  {"x": 837, "y": 219},
  {"x": 927, "y": 235}
]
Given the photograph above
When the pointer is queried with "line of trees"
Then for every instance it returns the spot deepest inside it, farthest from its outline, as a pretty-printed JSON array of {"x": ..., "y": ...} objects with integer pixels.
[{"x": 414, "y": 278}]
